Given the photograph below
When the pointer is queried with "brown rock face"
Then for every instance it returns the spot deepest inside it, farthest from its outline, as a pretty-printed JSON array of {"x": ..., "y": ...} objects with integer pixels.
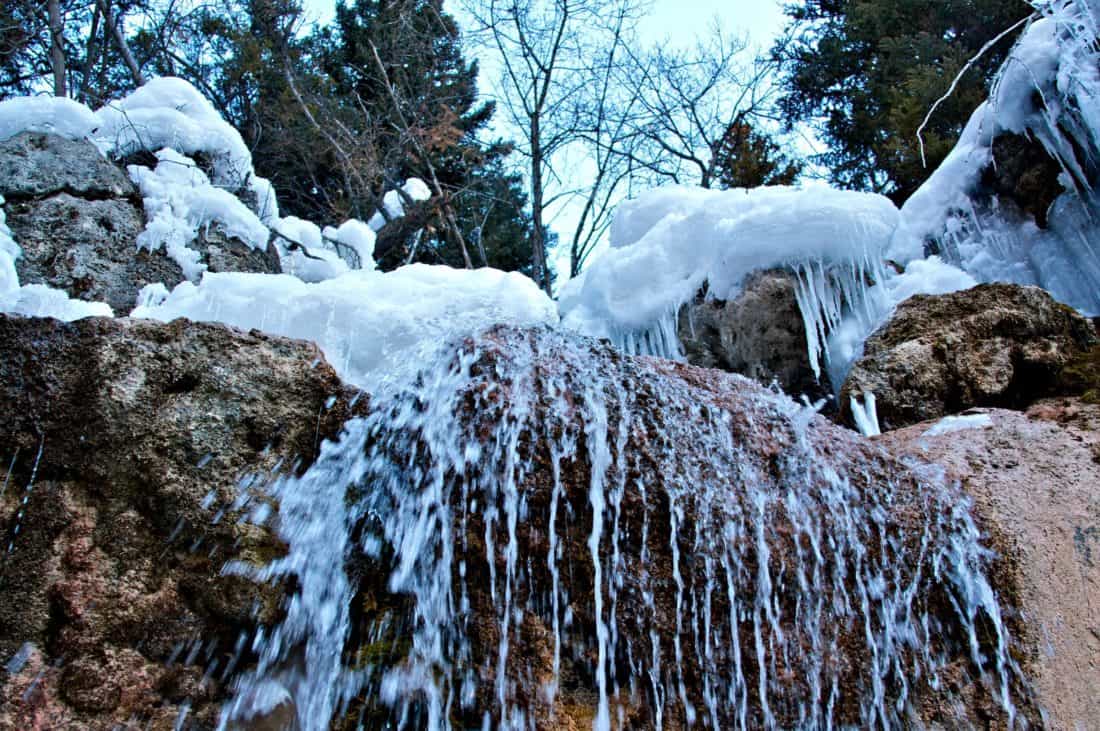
[
  {"x": 996, "y": 345},
  {"x": 77, "y": 216},
  {"x": 124, "y": 446},
  {"x": 1035, "y": 482},
  {"x": 759, "y": 334}
]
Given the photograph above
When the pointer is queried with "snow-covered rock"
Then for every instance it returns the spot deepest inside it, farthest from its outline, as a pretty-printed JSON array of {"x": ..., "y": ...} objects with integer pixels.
[
  {"x": 667, "y": 244},
  {"x": 374, "y": 327}
]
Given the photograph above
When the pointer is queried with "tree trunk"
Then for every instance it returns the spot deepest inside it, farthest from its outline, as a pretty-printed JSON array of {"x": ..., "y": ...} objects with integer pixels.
[
  {"x": 115, "y": 24},
  {"x": 538, "y": 243},
  {"x": 57, "y": 51}
]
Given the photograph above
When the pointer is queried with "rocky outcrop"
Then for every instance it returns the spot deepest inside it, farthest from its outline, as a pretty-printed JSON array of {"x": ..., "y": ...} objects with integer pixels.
[
  {"x": 759, "y": 334},
  {"x": 129, "y": 453},
  {"x": 1034, "y": 478},
  {"x": 995, "y": 345},
  {"x": 77, "y": 216},
  {"x": 718, "y": 551}
]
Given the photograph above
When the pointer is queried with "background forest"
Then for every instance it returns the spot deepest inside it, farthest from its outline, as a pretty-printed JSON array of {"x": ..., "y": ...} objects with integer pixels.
[{"x": 566, "y": 107}]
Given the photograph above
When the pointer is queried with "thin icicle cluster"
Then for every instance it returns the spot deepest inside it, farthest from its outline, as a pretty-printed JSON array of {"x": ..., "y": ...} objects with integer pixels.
[{"x": 689, "y": 555}]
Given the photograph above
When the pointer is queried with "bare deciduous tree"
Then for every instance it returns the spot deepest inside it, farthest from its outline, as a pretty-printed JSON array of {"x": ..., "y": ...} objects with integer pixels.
[
  {"x": 554, "y": 54},
  {"x": 691, "y": 99}
]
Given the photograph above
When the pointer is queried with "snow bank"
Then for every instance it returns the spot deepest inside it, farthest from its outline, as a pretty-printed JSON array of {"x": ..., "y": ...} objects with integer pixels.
[
  {"x": 1049, "y": 91},
  {"x": 179, "y": 201},
  {"x": 373, "y": 327},
  {"x": 667, "y": 244},
  {"x": 53, "y": 115}
]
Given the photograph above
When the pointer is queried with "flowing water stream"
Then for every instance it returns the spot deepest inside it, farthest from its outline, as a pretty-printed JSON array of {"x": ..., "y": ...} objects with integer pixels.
[{"x": 538, "y": 528}]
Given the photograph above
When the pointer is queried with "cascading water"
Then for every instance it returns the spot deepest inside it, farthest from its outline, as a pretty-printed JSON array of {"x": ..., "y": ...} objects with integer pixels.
[{"x": 541, "y": 531}]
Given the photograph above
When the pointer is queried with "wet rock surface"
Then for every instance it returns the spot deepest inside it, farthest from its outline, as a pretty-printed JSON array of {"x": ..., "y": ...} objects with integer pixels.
[
  {"x": 714, "y": 495},
  {"x": 125, "y": 445},
  {"x": 1034, "y": 478},
  {"x": 759, "y": 334},
  {"x": 77, "y": 215},
  {"x": 995, "y": 345}
]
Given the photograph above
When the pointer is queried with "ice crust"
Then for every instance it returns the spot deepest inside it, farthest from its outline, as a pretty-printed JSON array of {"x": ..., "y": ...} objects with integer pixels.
[
  {"x": 180, "y": 200},
  {"x": 671, "y": 243}
]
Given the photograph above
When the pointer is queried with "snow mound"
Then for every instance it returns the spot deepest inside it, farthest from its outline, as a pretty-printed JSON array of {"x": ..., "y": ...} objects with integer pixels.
[
  {"x": 170, "y": 112},
  {"x": 179, "y": 201},
  {"x": 1048, "y": 91},
  {"x": 671, "y": 242},
  {"x": 375, "y": 328},
  {"x": 52, "y": 115}
]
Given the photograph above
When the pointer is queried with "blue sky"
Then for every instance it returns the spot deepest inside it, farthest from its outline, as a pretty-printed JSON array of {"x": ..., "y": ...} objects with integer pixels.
[{"x": 678, "y": 20}]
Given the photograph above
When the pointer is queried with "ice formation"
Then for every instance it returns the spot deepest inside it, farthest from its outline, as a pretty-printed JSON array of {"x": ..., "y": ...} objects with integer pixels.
[
  {"x": 669, "y": 596},
  {"x": 671, "y": 242},
  {"x": 951, "y": 424},
  {"x": 372, "y": 326},
  {"x": 180, "y": 200},
  {"x": 1048, "y": 91},
  {"x": 865, "y": 414},
  {"x": 170, "y": 112}
]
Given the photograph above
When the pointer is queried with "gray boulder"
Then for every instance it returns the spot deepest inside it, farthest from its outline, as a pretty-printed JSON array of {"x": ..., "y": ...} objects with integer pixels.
[
  {"x": 34, "y": 165},
  {"x": 88, "y": 248},
  {"x": 758, "y": 334}
]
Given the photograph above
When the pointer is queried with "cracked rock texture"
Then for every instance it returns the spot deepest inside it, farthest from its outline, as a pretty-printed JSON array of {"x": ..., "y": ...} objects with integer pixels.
[
  {"x": 124, "y": 446},
  {"x": 1035, "y": 481}
]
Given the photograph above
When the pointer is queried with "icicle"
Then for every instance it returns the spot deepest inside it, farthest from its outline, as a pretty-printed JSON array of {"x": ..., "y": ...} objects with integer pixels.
[{"x": 865, "y": 415}]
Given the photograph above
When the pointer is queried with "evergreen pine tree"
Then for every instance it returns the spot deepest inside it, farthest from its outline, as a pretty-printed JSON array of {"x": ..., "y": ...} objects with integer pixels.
[{"x": 865, "y": 73}]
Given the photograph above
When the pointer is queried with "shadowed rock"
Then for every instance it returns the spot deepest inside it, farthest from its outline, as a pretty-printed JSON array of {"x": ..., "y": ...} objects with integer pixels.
[
  {"x": 759, "y": 334},
  {"x": 125, "y": 445}
]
